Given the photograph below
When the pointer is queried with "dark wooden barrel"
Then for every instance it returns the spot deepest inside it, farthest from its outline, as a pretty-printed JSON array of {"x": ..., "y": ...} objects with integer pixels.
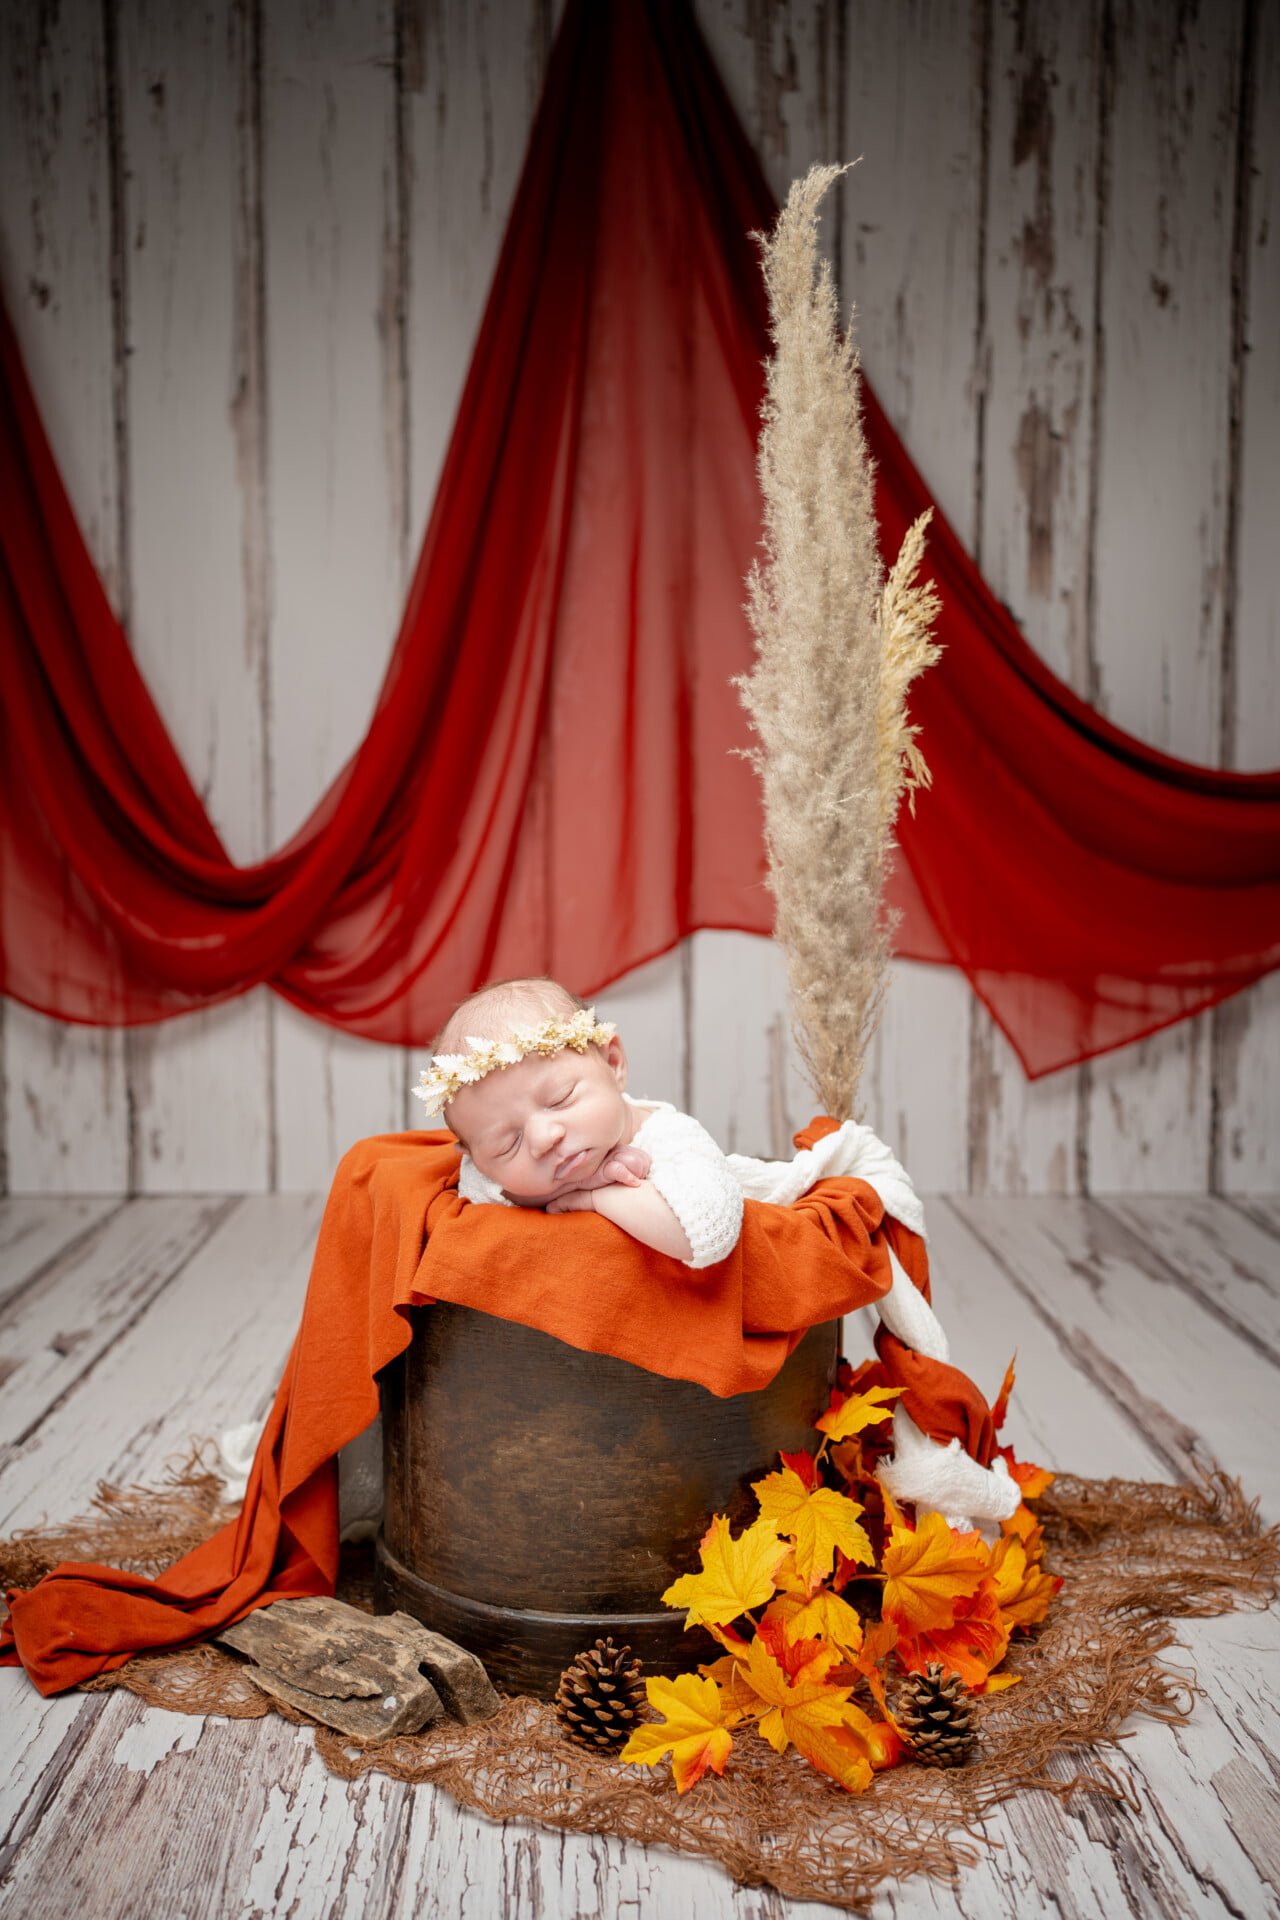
[{"x": 537, "y": 1497}]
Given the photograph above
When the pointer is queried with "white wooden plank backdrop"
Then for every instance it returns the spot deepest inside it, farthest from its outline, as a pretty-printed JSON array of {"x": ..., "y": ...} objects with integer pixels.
[{"x": 246, "y": 250}]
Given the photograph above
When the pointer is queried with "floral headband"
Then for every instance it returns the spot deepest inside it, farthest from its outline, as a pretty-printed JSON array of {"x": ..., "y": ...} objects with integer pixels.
[{"x": 451, "y": 1071}]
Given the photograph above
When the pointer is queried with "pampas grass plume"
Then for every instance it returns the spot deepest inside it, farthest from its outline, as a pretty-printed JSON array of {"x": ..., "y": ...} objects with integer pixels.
[{"x": 837, "y": 647}]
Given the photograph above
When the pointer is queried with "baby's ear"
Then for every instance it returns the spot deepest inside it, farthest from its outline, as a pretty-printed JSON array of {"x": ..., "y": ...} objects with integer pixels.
[{"x": 616, "y": 1056}]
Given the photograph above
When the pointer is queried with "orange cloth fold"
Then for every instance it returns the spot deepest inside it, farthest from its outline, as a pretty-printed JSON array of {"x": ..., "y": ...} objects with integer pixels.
[{"x": 397, "y": 1235}]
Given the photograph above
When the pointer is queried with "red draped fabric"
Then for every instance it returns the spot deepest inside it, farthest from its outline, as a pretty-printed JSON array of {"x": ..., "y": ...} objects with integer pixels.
[{"x": 549, "y": 781}]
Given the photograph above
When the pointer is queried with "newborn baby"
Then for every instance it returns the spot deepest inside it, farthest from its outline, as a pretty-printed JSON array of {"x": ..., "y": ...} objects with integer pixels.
[{"x": 534, "y": 1087}]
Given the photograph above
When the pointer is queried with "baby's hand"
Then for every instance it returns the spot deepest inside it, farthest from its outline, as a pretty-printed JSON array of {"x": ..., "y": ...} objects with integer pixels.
[
  {"x": 628, "y": 1167},
  {"x": 625, "y": 1168},
  {"x": 577, "y": 1200}
]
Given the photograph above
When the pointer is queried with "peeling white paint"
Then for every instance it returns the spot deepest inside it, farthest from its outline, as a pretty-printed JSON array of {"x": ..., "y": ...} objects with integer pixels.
[{"x": 155, "y": 1735}]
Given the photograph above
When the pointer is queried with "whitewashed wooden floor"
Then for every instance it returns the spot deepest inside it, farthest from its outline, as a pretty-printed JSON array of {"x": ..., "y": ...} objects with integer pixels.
[{"x": 1148, "y": 1337}]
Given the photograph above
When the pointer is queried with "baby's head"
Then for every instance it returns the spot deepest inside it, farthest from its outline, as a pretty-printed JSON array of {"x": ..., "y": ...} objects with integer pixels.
[{"x": 548, "y": 1121}]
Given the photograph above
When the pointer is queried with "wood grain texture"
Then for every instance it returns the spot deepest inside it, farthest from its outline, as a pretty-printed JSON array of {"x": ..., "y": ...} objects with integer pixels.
[
  {"x": 116, "y": 1809},
  {"x": 65, "y": 1117},
  {"x": 1125, "y": 1318},
  {"x": 1160, "y": 554},
  {"x": 911, "y": 249},
  {"x": 336, "y": 425},
  {"x": 36, "y": 1230},
  {"x": 1247, "y": 1029},
  {"x": 1036, "y": 466},
  {"x": 54, "y": 1333},
  {"x": 197, "y": 1086},
  {"x": 209, "y": 1349},
  {"x": 269, "y": 234}
]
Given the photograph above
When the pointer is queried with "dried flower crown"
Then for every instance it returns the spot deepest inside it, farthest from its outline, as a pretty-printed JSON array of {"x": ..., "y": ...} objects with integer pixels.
[{"x": 451, "y": 1071}]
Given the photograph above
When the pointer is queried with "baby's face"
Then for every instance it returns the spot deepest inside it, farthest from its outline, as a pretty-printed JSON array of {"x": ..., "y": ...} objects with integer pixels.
[{"x": 546, "y": 1124}]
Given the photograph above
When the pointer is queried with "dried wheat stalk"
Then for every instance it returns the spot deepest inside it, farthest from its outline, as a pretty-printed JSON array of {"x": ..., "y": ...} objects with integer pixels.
[{"x": 837, "y": 646}]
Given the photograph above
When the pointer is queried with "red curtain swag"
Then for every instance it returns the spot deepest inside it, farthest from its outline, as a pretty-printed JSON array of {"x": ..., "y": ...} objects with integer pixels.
[{"x": 548, "y": 781}]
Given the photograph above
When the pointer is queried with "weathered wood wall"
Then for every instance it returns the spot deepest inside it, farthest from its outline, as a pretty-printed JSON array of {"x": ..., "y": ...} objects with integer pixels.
[{"x": 246, "y": 248}]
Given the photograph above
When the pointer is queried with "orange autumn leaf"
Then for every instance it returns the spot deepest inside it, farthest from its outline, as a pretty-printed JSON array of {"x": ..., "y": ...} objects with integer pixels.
[
  {"x": 1000, "y": 1405},
  {"x": 826, "y": 1733},
  {"x": 929, "y": 1572},
  {"x": 878, "y": 1641},
  {"x": 819, "y": 1523},
  {"x": 1032, "y": 1480},
  {"x": 736, "y": 1574},
  {"x": 885, "y": 1744},
  {"x": 737, "y": 1695},
  {"x": 849, "y": 1416},
  {"x": 803, "y": 1465},
  {"x": 1024, "y": 1591},
  {"x": 1024, "y": 1526},
  {"x": 809, "y": 1664},
  {"x": 805, "y": 1711},
  {"x": 973, "y": 1643},
  {"x": 693, "y": 1730}
]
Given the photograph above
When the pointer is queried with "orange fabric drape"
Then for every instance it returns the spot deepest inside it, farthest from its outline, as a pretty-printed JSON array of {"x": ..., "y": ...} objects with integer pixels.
[{"x": 396, "y": 1234}]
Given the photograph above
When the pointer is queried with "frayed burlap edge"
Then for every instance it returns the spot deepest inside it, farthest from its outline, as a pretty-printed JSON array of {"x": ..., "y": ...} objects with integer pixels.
[{"x": 1134, "y": 1556}]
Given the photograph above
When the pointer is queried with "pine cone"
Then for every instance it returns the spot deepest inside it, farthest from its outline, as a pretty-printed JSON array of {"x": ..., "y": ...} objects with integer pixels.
[
  {"x": 600, "y": 1697},
  {"x": 934, "y": 1713}
]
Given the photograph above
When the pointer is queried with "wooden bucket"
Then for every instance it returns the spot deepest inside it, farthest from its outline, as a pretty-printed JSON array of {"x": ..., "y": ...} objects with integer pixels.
[{"x": 536, "y": 1497}]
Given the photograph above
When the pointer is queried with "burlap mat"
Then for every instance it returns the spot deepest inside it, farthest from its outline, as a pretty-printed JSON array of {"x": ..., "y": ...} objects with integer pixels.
[{"x": 1135, "y": 1557}]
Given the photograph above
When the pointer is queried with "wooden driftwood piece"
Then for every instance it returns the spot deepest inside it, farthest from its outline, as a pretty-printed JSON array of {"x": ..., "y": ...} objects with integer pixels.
[{"x": 367, "y": 1675}]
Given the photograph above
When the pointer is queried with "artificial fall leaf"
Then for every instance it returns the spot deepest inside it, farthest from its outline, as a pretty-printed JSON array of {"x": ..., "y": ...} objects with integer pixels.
[
  {"x": 885, "y": 1744},
  {"x": 736, "y": 1574},
  {"x": 859, "y": 1410},
  {"x": 810, "y": 1712},
  {"x": 737, "y": 1696},
  {"x": 997, "y": 1682},
  {"x": 799, "y": 1658},
  {"x": 1024, "y": 1591},
  {"x": 828, "y": 1736},
  {"x": 1024, "y": 1525},
  {"x": 1000, "y": 1405},
  {"x": 787, "y": 1577},
  {"x": 971, "y": 1645},
  {"x": 693, "y": 1730},
  {"x": 807, "y": 1712},
  {"x": 804, "y": 1466},
  {"x": 850, "y": 1462},
  {"x": 819, "y": 1523},
  {"x": 878, "y": 1642},
  {"x": 827, "y": 1615},
  {"x": 929, "y": 1572},
  {"x": 779, "y": 1689},
  {"x": 1032, "y": 1480}
]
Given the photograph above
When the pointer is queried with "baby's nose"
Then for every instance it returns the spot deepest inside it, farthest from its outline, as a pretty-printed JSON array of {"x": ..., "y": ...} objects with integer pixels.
[{"x": 547, "y": 1131}]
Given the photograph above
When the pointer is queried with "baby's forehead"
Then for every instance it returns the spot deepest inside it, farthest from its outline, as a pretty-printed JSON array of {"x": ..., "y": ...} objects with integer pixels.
[
  {"x": 498, "y": 1015},
  {"x": 505, "y": 1086}
]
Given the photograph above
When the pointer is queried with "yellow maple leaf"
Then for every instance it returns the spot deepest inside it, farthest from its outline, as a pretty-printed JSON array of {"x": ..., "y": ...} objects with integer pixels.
[
  {"x": 1024, "y": 1591},
  {"x": 858, "y": 1411},
  {"x": 693, "y": 1730},
  {"x": 827, "y": 1734},
  {"x": 804, "y": 1710},
  {"x": 736, "y": 1574},
  {"x": 827, "y": 1615},
  {"x": 818, "y": 1522},
  {"x": 928, "y": 1571}
]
